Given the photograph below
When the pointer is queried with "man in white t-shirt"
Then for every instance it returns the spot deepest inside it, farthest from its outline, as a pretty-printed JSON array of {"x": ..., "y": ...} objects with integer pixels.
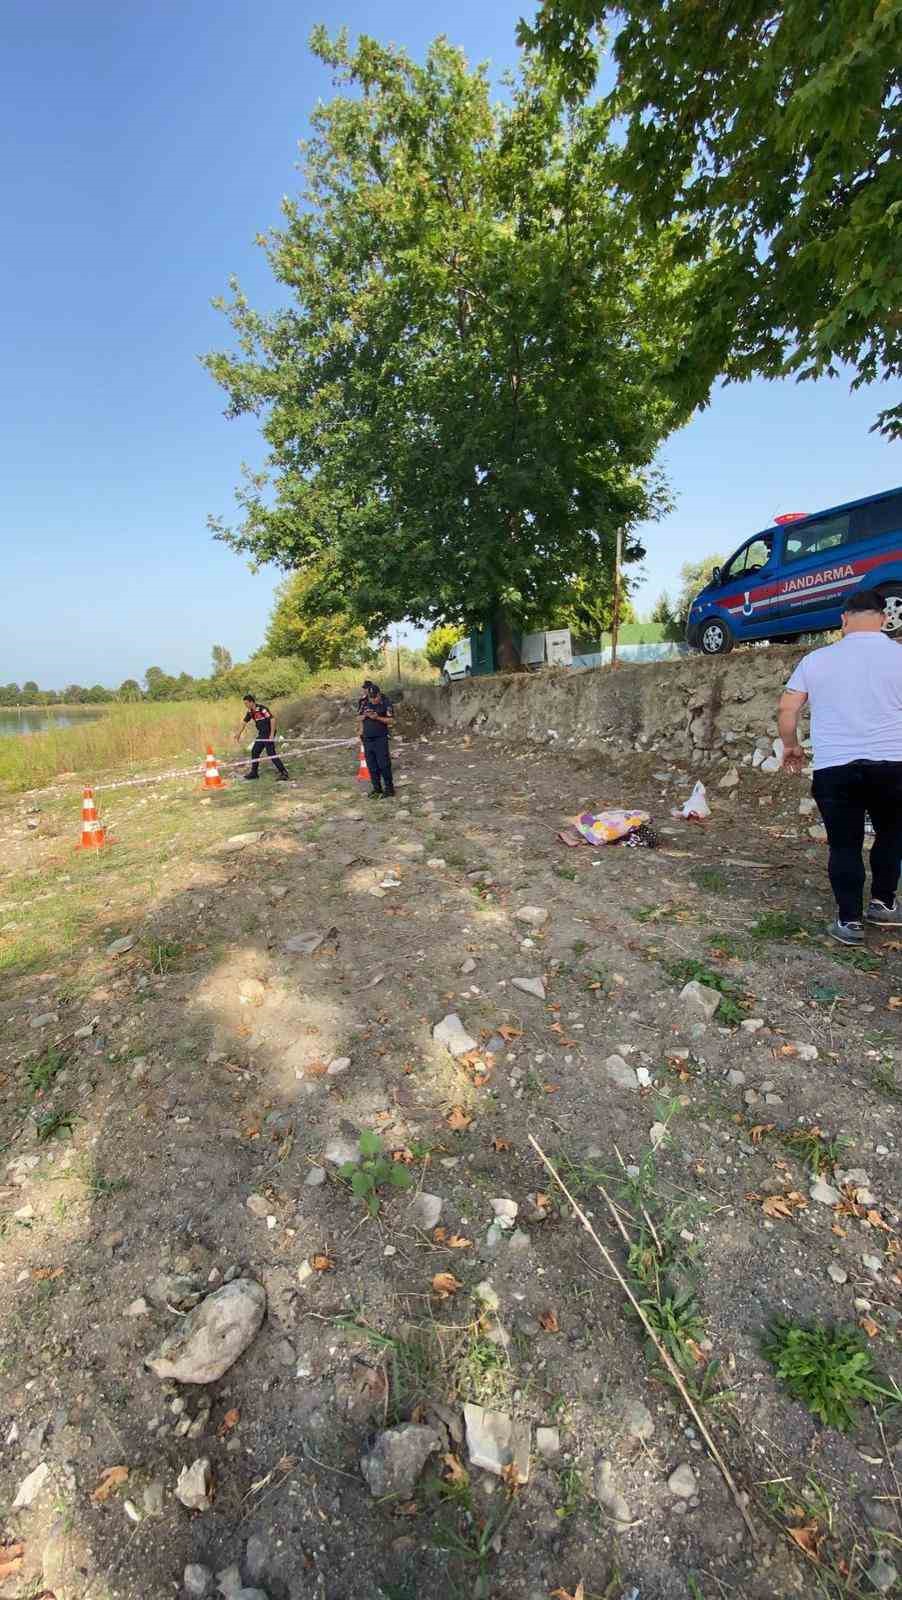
[{"x": 854, "y": 689}]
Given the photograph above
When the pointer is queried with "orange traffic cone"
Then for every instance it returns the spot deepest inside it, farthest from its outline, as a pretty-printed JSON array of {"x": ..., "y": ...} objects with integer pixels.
[
  {"x": 212, "y": 775},
  {"x": 363, "y": 771},
  {"x": 93, "y": 835}
]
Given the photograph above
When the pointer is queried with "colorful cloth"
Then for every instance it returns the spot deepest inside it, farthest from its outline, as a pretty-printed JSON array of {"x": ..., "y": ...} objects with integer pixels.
[{"x": 607, "y": 827}]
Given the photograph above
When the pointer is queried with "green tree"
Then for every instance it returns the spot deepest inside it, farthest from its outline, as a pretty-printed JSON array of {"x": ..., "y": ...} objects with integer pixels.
[
  {"x": 222, "y": 661},
  {"x": 74, "y": 694},
  {"x": 463, "y": 401},
  {"x": 129, "y": 690},
  {"x": 31, "y": 692},
  {"x": 771, "y": 133},
  {"x": 440, "y": 641},
  {"x": 302, "y": 623},
  {"x": 693, "y": 577}
]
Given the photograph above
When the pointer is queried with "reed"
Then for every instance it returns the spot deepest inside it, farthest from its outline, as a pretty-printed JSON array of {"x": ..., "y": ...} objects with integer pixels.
[{"x": 122, "y": 739}]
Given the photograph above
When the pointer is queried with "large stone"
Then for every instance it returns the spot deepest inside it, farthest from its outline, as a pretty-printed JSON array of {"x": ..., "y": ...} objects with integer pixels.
[
  {"x": 213, "y": 1335},
  {"x": 239, "y": 841},
  {"x": 496, "y": 1440},
  {"x": 729, "y": 780},
  {"x": 397, "y": 1458},
  {"x": 609, "y": 1496},
  {"x": 66, "y": 1561},
  {"x": 700, "y": 1001},
  {"x": 196, "y": 1579},
  {"x": 120, "y": 947},
  {"x": 533, "y": 986},
  {"x": 424, "y": 1211},
  {"x": 453, "y": 1035},
  {"x": 195, "y": 1485},
  {"x": 30, "y": 1487},
  {"x": 533, "y": 916},
  {"x": 825, "y": 1193},
  {"x": 882, "y": 1575},
  {"x": 307, "y": 944},
  {"x": 621, "y": 1073},
  {"x": 638, "y": 1420},
  {"x": 682, "y": 1483}
]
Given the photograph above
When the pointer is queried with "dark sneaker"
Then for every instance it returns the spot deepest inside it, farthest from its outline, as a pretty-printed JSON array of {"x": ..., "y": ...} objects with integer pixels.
[
  {"x": 389, "y": 794},
  {"x": 846, "y": 932},
  {"x": 282, "y": 777},
  {"x": 375, "y": 794},
  {"x": 883, "y": 915},
  {"x": 251, "y": 777}
]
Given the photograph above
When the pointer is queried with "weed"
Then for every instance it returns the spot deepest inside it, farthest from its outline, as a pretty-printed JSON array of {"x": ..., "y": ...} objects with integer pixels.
[
  {"x": 474, "y": 1537},
  {"x": 50, "y": 1123},
  {"x": 42, "y": 1072},
  {"x": 375, "y": 1170},
  {"x": 568, "y": 873},
  {"x": 779, "y": 925},
  {"x": 883, "y": 1077},
  {"x": 665, "y": 913},
  {"x": 711, "y": 878},
  {"x": 481, "y": 1370},
  {"x": 829, "y": 1370},
  {"x": 676, "y": 1320},
  {"x": 858, "y": 960},
  {"x": 818, "y": 1153},
  {"x": 164, "y": 955},
  {"x": 579, "y": 947},
  {"x": 100, "y": 1185},
  {"x": 573, "y": 1492},
  {"x": 727, "y": 947}
]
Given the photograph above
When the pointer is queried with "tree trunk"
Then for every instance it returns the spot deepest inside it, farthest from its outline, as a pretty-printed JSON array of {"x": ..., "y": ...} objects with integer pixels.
[{"x": 506, "y": 657}]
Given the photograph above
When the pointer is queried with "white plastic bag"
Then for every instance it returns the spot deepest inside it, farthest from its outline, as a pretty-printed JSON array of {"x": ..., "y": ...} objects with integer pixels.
[{"x": 696, "y": 806}]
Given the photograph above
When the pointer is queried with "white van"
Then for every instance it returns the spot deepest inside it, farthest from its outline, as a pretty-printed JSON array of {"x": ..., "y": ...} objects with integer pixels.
[{"x": 460, "y": 662}]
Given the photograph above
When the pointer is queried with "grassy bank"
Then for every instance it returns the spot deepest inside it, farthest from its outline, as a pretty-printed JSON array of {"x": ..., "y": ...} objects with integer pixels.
[{"x": 124, "y": 738}]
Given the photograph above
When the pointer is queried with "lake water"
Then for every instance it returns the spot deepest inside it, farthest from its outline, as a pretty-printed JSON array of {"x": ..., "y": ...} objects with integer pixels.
[{"x": 42, "y": 721}]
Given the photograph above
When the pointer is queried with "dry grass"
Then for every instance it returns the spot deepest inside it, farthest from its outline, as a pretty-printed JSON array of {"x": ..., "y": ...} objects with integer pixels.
[{"x": 124, "y": 738}]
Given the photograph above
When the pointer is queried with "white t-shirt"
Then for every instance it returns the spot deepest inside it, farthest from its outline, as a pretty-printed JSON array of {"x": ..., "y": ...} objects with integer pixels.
[{"x": 855, "y": 692}]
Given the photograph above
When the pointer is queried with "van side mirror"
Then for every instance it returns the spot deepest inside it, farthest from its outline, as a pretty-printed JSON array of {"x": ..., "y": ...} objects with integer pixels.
[{"x": 715, "y": 574}]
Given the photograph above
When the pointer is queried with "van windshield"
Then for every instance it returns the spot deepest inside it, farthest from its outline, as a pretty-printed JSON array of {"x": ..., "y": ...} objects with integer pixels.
[{"x": 751, "y": 558}]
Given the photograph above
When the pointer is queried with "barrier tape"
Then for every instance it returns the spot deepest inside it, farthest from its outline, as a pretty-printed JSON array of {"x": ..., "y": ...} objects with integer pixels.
[{"x": 224, "y": 766}]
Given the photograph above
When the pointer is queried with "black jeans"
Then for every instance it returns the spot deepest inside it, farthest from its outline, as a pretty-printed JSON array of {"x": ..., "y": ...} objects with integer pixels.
[
  {"x": 378, "y": 763},
  {"x": 844, "y": 796},
  {"x": 265, "y": 747}
]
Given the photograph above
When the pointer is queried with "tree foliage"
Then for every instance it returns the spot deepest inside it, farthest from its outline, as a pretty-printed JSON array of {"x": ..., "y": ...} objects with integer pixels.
[
  {"x": 303, "y": 624},
  {"x": 771, "y": 132},
  {"x": 440, "y": 642},
  {"x": 461, "y": 399},
  {"x": 221, "y": 659},
  {"x": 694, "y": 575}
]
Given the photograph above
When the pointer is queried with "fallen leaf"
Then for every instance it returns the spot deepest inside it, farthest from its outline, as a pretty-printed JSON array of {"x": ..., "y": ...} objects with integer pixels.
[
  {"x": 322, "y": 1263},
  {"x": 382, "y": 1117},
  {"x": 869, "y": 1325},
  {"x": 510, "y": 1476},
  {"x": 229, "y": 1421},
  {"x": 841, "y": 1233},
  {"x": 316, "y": 1069},
  {"x": 11, "y": 1558},
  {"x": 807, "y": 1538},
  {"x": 404, "y": 1156},
  {"x": 757, "y": 1133},
  {"x": 783, "y": 1205},
  {"x": 695, "y": 1350},
  {"x": 456, "y": 1472},
  {"x": 407, "y": 1508},
  {"x": 788, "y": 1050},
  {"x": 543, "y": 1200},
  {"x": 43, "y": 1273},
  {"x": 508, "y": 1032},
  {"x": 439, "y": 1235},
  {"x": 895, "y": 1002},
  {"x": 458, "y": 1242},
  {"x": 457, "y": 1119},
  {"x": 564, "y": 1594},
  {"x": 876, "y": 1221},
  {"x": 444, "y": 1284},
  {"x": 109, "y": 1483},
  {"x": 286, "y": 1464},
  {"x": 548, "y": 1320},
  {"x": 500, "y": 1144},
  {"x": 551, "y": 1088}
]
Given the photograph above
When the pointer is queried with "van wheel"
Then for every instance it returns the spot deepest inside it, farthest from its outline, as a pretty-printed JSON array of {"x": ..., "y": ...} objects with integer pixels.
[
  {"x": 468, "y": 672},
  {"x": 715, "y": 638},
  {"x": 446, "y": 679},
  {"x": 892, "y": 597}
]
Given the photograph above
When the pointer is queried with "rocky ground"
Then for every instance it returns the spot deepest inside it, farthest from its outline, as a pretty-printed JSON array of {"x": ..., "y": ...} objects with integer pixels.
[{"x": 289, "y": 1304}]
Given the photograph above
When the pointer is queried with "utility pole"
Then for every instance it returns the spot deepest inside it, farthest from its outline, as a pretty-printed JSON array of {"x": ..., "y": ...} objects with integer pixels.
[
  {"x": 615, "y": 613},
  {"x": 398, "y": 654}
]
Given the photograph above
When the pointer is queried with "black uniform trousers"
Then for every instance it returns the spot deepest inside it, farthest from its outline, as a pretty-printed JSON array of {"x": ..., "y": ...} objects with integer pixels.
[
  {"x": 845, "y": 795},
  {"x": 378, "y": 762},
  {"x": 265, "y": 747}
]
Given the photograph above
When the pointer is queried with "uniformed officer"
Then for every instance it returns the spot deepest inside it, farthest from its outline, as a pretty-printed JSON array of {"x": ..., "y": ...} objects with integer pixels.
[
  {"x": 264, "y": 737},
  {"x": 376, "y": 714}
]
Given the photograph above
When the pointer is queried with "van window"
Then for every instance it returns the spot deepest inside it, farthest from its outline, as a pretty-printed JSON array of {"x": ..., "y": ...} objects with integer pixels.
[
  {"x": 751, "y": 558},
  {"x": 817, "y": 537},
  {"x": 881, "y": 516}
]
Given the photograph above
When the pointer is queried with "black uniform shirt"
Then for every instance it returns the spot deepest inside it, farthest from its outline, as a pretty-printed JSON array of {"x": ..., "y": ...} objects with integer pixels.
[
  {"x": 383, "y": 707},
  {"x": 262, "y": 716}
]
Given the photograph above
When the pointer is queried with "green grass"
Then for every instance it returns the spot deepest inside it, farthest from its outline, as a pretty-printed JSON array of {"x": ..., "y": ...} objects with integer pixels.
[
  {"x": 42, "y": 1072},
  {"x": 637, "y": 633},
  {"x": 123, "y": 737},
  {"x": 828, "y": 1370},
  {"x": 779, "y": 925},
  {"x": 731, "y": 1009}
]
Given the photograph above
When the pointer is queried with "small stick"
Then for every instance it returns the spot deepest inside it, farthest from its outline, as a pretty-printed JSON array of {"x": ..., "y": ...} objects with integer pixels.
[{"x": 664, "y": 1354}]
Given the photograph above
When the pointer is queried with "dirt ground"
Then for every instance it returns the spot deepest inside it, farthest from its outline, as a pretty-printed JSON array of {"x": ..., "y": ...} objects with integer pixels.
[{"x": 132, "y": 1151}]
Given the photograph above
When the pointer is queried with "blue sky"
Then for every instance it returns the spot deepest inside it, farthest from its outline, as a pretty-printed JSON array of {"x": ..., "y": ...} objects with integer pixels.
[{"x": 144, "y": 147}]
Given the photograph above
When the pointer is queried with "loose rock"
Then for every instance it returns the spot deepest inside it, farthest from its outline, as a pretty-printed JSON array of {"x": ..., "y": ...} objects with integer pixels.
[
  {"x": 700, "y": 1001},
  {"x": 837, "y": 1274},
  {"x": 195, "y": 1484},
  {"x": 468, "y": 966},
  {"x": 451, "y": 1033},
  {"x": 119, "y": 947},
  {"x": 882, "y": 1574},
  {"x": 608, "y": 1496},
  {"x": 682, "y": 1482},
  {"x": 638, "y": 1420},
  {"x": 824, "y": 1193},
  {"x": 533, "y": 916},
  {"x": 397, "y": 1458},
  {"x": 30, "y": 1487},
  {"x": 424, "y": 1211},
  {"x": 258, "y": 1205},
  {"x": 548, "y": 1441},
  {"x": 213, "y": 1335},
  {"x": 533, "y": 986},
  {"x": 315, "y": 1177},
  {"x": 65, "y": 1561},
  {"x": 196, "y": 1579},
  {"x": 621, "y": 1073},
  {"x": 495, "y": 1441}
]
